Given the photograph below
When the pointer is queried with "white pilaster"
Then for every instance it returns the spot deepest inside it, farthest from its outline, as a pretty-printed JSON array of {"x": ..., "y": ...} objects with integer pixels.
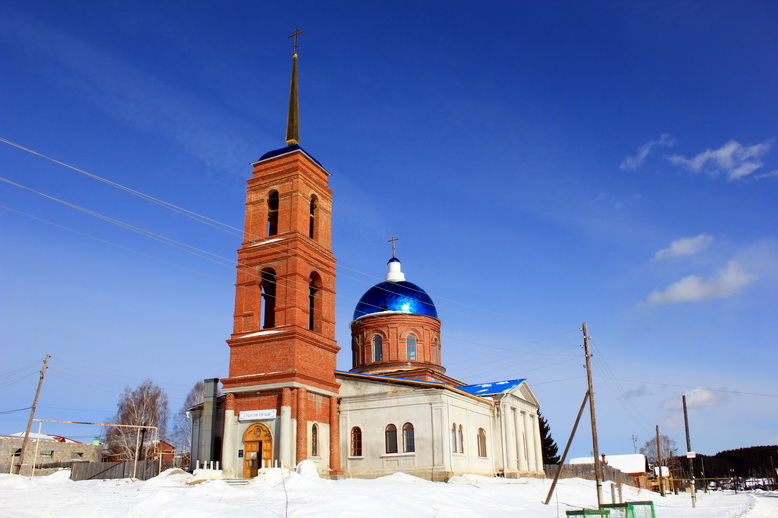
[{"x": 229, "y": 445}]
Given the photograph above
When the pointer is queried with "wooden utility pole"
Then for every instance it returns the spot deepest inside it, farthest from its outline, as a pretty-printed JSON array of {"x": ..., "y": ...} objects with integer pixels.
[
  {"x": 659, "y": 463},
  {"x": 689, "y": 452},
  {"x": 595, "y": 443},
  {"x": 32, "y": 415}
]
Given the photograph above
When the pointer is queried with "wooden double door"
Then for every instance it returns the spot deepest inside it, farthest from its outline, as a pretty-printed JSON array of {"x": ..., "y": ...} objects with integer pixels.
[{"x": 257, "y": 449}]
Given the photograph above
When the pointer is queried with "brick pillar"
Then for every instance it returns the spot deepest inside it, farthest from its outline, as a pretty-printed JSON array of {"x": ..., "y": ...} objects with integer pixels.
[
  {"x": 335, "y": 469},
  {"x": 302, "y": 425}
]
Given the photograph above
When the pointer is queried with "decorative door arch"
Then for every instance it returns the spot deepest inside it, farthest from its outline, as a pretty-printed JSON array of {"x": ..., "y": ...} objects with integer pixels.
[{"x": 257, "y": 449}]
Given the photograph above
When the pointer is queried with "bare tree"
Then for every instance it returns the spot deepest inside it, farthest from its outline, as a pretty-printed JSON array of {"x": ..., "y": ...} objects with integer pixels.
[
  {"x": 667, "y": 446},
  {"x": 146, "y": 405},
  {"x": 182, "y": 425}
]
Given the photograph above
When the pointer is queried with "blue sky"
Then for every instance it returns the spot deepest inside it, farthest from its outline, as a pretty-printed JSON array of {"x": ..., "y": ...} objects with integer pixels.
[{"x": 543, "y": 164}]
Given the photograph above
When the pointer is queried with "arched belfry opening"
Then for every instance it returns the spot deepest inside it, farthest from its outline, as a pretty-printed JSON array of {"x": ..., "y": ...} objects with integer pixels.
[
  {"x": 268, "y": 287},
  {"x": 314, "y": 302},
  {"x": 313, "y": 209},
  {"x": 272, "y": 213}
]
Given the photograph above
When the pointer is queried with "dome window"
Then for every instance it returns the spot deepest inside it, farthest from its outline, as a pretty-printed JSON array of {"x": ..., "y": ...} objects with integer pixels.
[
  {"x": 378, "y": 352},
  {"x": 410, "y": 346}
]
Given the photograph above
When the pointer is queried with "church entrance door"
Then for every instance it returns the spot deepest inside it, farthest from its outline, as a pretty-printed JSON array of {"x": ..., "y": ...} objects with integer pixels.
[{"x": 257, "y": 449}]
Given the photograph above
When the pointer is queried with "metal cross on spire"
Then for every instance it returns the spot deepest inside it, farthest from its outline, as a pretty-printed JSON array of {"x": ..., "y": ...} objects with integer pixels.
[
  {"x": 394, "y": 247},
  {"x": 294, "y": 35}
]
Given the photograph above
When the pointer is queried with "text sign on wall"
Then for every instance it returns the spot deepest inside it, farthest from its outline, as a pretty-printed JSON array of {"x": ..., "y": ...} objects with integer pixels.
[{"x": 254, "y": 415}]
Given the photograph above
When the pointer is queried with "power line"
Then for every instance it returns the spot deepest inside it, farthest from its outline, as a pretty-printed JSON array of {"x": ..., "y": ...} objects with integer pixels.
[{"x": 233, "y": 230}]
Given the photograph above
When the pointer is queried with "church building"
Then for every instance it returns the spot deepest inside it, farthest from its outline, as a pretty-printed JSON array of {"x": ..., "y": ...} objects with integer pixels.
[{"x": 395, "y": 409}]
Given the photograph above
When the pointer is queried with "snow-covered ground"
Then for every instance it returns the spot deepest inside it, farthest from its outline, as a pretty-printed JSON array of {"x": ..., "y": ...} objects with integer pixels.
[{"x": 273, "y": 494}]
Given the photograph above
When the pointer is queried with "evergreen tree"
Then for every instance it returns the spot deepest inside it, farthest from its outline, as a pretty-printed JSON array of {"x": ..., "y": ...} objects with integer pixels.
[{"x": 550, "y": 449}]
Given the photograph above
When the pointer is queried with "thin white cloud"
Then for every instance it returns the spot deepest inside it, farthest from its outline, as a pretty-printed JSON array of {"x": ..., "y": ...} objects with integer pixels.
[
  {"x": 673, "y": 420},
  {"x": 728, "y": 282},
  {"x": 684, "y": 246},
  {"x": 733, "y": 159},
  {"x": 695, "y": 398},
  {"x": 767, "y": 175},
  {"x": 640, "y": 391},
  {"x": 631, "y": 163}
]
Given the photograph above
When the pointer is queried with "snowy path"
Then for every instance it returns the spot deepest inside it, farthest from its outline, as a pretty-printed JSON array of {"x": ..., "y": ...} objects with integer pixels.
[{"x": 398, "y": 495}]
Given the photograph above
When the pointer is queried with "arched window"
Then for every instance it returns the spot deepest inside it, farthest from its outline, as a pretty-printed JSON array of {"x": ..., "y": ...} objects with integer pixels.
[
  {"x": 378, "y": 353},
  {"x": 454, "y": 437},
  {"x": 314, "y": 303},
  {"x": 409, "y": 446},
  {"x": 268, "y": 288},
  {"x": 461, "y": 440},
  {"x": 410, "y": 345},
  {"x": 312, "y": 220},
  {"x": 272, "y": 213},
  {"x": 481, "y": 442},
  {"x": 391, "y": 438},
  {"x": 356, "y": 442},
  {"x": 354, "y": 351},
  {"x": 436, "y": 347},
  {"x": 315, "y": 440}
]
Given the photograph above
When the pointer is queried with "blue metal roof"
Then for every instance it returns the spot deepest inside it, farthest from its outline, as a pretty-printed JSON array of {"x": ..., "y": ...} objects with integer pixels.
[
  {"x": 284, "y": 151},
  {"x": 402, "y": 296},
  {"x": 497, "y": 387}
]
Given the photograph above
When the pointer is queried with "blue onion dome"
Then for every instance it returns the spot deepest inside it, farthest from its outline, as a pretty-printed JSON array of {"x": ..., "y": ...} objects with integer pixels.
[{"x": 395, "y": 294}]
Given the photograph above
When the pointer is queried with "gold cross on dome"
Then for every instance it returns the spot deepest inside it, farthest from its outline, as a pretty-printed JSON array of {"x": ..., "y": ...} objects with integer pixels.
[
  {"x": 294, "y": 35},
  {"x": 394, "y": 247}
]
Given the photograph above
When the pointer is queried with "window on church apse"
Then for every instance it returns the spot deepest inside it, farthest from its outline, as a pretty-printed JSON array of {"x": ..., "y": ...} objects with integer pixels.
[
  {"x": 268, "y": 289},
  {"x": 409, "y": 446},
  {"x": 391, "y": 438},
  {"x": 378, "y": 353},
  {"x": 454, "y": 437},
  {"x": 410, "y": 345},
  {"x": 315, "y": 440},
  {"x": 461, "y": 440},
  {"x": 356, "y": 442},
  {"x": 272, "y": 213},
  {"x": 481, "y": 442}
]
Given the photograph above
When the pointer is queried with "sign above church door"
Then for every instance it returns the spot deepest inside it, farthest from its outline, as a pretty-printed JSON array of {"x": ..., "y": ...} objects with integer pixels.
[{"x": 256, "y": 415}]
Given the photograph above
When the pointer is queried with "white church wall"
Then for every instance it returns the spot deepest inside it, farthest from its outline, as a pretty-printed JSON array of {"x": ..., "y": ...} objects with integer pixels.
[{"x": 432, "y": 411}]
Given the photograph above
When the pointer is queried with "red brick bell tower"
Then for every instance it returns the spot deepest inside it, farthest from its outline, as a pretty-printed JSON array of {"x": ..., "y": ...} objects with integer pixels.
[{"x": 281, "y": 381}]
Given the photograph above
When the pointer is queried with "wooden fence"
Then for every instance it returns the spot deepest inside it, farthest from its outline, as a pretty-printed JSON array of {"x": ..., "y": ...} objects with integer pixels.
[
  {"x": 586, "y": 471},
  {"x": 145, "y": 470}
]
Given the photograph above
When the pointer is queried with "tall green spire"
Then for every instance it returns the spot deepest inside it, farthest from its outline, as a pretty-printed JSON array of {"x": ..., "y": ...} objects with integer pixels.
[{"x": 293, "y": 120}]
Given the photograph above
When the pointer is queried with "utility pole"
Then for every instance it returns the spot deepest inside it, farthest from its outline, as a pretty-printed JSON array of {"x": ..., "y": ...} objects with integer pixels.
[
  {"x": 32, "y": 415},
  {"x": 659, "y": 463},
  {"x": 688, "y": 452},
  {"x": 595, "y": 444}
]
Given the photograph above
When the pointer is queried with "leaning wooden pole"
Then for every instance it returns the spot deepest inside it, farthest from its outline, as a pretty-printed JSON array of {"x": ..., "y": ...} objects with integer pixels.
[
  {"x": 32, "y": 415},
  {"x": 595, "y": 443},
  {"x": 567, "y": 448}
]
